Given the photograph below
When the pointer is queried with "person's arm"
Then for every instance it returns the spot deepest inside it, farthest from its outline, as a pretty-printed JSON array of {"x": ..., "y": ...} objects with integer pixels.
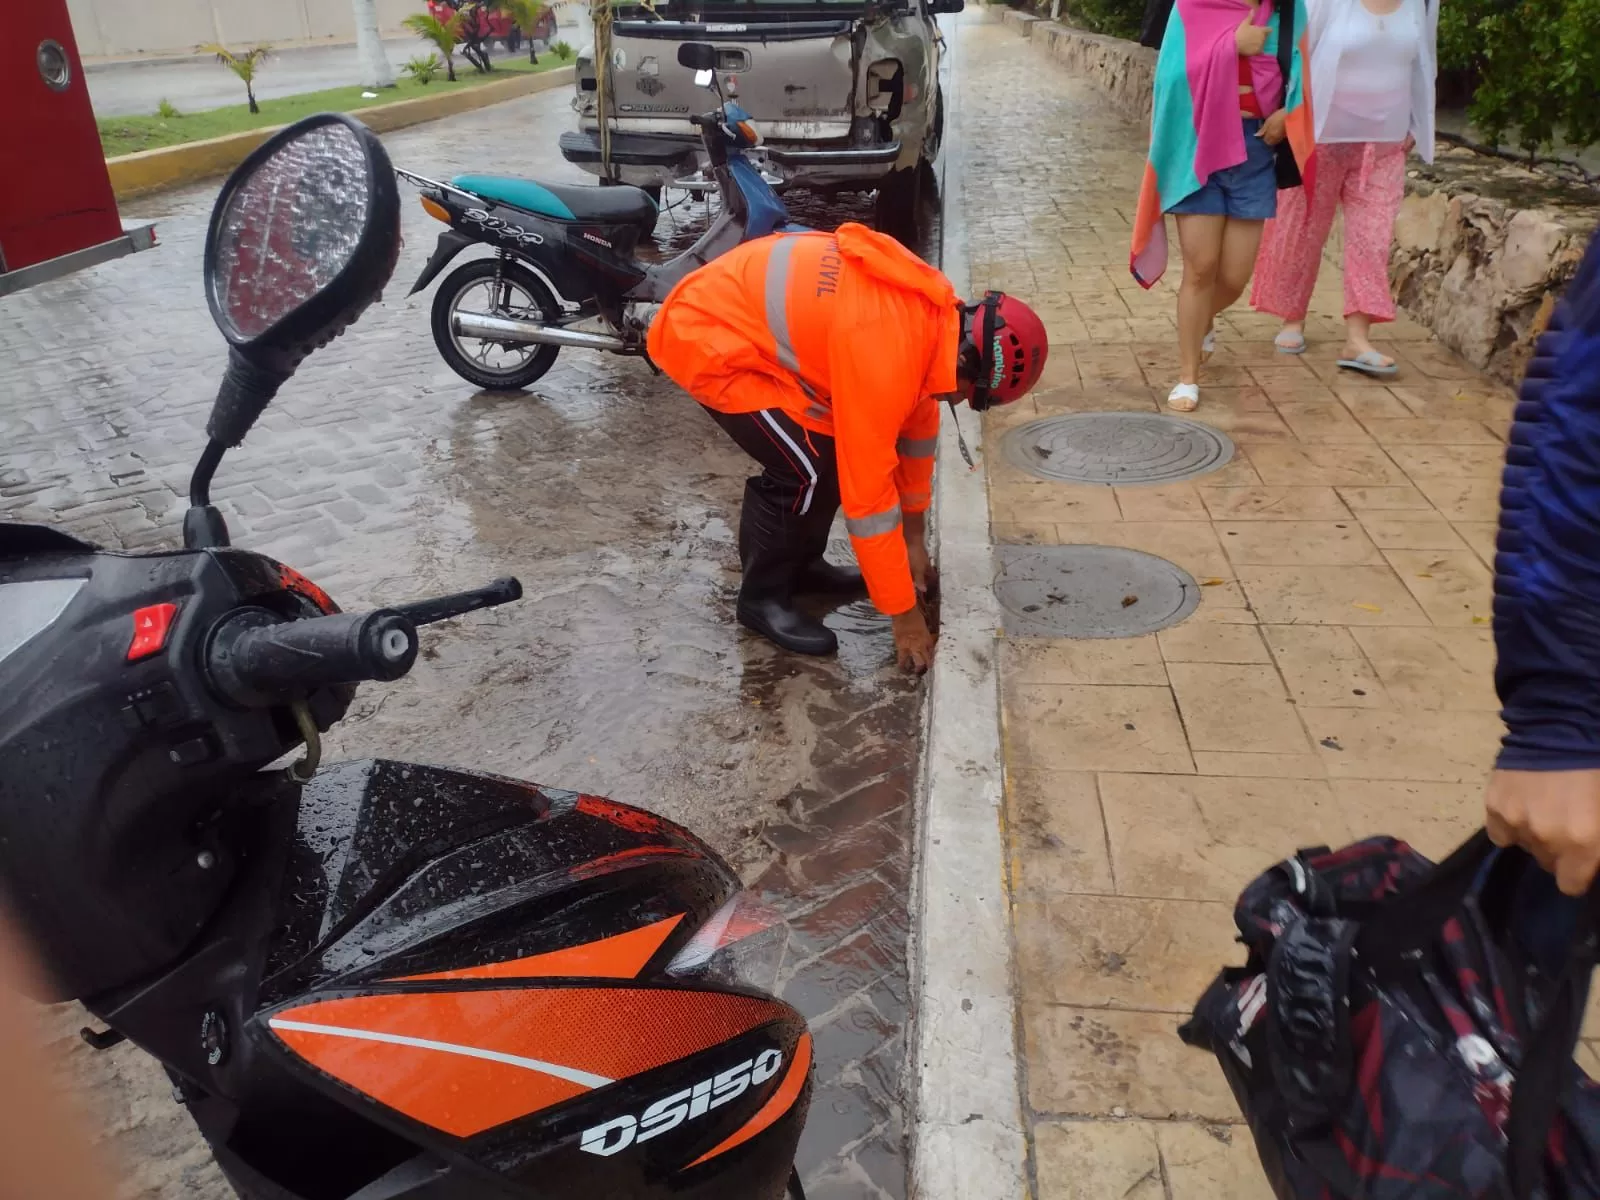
[
  {"x": 1545, "y": 794},
  {"x": 876, "y": 381},
  {"x": 44, "y": 1149},
  {"x": 913, "y": 477},
  {"x": 1424, "y": 80}
]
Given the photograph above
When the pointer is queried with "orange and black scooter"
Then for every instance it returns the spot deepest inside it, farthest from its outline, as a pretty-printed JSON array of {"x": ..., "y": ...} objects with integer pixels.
[{"x": 375, "y": 980}]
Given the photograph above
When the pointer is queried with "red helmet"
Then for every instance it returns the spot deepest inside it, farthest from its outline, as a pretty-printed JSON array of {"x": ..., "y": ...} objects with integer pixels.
[{"x": 1012, "y": 347}]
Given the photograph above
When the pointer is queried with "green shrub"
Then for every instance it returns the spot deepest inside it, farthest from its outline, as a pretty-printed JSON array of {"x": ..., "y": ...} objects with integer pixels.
[
  {"x": 562, "y": 50},
  {"x": 1534, "y": 67},
  {"x": 167, "y": 110},
  {"x": 424, "y": 68},
  {"x": 1116, "y": 18}
]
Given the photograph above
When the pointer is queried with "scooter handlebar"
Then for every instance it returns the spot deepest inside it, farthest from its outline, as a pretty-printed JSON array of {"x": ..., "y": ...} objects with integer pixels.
[{"x": 257, "y": 661}]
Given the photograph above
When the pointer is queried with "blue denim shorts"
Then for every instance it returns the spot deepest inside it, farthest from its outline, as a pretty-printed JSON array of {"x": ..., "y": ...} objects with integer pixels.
[{"x": 1247, "y": 191}]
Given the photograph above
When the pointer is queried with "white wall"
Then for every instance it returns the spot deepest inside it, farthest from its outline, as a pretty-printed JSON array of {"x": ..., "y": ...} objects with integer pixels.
[{"x": 111, "y": 27}]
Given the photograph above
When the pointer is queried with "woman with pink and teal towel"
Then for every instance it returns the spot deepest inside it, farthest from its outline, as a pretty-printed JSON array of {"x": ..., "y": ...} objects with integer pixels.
[{"x": 1222, "y": 105}]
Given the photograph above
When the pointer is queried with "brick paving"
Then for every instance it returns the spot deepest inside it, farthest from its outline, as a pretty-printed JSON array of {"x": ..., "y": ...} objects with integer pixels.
[
  {"x": 383, "y": 476},
  {"x": 1335, "y": 681}
]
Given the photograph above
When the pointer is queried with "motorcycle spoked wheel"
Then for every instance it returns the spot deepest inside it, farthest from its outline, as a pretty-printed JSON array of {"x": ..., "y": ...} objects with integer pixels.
[{"x": 520, "y": 294}]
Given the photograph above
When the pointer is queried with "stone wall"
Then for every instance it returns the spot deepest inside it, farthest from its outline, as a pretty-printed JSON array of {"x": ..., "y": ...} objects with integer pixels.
[
  {"x": 1482, "y": 248},
  {"x": 1481, "y": 252},
  {"x": 1125, "y": 69}
]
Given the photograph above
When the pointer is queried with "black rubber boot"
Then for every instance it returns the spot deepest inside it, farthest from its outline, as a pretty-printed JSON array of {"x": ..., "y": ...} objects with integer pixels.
[
  {"x": 770, "y": 550},
  {"x": 818, "y": 576}
]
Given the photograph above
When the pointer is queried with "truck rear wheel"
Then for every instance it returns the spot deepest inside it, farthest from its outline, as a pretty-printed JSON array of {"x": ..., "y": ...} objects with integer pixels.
[{"x": 899, "y": 205}]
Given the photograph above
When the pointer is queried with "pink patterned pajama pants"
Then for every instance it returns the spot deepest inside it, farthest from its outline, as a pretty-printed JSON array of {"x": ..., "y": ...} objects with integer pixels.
[{"x": 1368, "y": 179}]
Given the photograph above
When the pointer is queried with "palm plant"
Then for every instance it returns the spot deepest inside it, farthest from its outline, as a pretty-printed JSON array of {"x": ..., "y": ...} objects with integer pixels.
[
  {"x": 423, "y": 68},
  {"x": 526, "y": 15},
  {"x": 243, "y": 65},
  {"x": 443, "y": 34}
]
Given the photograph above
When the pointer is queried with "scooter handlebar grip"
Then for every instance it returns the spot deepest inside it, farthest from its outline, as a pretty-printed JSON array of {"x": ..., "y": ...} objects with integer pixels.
[{"x": 257, "y": 664}]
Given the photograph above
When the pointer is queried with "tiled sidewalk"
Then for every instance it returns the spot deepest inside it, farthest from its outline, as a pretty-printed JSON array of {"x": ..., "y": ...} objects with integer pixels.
[{"x": 1335, "y": 682}]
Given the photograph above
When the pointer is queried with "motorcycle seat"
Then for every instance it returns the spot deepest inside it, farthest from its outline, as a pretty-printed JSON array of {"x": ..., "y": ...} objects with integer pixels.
[{"x": 617, "y": 205}]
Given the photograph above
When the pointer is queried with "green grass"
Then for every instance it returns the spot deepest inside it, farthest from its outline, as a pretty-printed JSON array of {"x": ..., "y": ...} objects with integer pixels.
[{"x": 124, "y": 135}]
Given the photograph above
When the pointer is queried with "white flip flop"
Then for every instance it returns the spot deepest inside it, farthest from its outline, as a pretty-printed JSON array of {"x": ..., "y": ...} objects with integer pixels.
[{"x": 1208, "y": 345}]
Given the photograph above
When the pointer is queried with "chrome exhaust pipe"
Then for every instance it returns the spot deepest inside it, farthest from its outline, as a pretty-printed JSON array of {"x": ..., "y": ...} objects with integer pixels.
[{"x": 504, "y": 329}]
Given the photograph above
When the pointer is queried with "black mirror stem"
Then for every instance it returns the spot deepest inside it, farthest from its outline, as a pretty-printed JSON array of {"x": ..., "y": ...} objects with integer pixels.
[
  {"x": 247, "y": 389},
  {"x": 203, "y": 526}
]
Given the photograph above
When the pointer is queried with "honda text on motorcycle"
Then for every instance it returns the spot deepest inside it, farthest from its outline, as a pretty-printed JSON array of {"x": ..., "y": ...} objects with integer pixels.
[
  {"x": 565, "y": 272},
  {"x": 373, "y": 979}
]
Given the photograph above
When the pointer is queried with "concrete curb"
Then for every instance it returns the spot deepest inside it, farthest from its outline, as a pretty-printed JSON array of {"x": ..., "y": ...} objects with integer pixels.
[
  {"x": 150, "y": 171},
  {"x": 967, "y": 1140}
]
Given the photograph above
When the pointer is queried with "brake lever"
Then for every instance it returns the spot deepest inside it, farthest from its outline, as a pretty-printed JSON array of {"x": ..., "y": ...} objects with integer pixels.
[{"x": 442, "y": 608}]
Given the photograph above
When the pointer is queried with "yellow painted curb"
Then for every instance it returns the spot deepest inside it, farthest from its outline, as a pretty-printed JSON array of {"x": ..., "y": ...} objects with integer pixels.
[{"x": 149, "y": 171}]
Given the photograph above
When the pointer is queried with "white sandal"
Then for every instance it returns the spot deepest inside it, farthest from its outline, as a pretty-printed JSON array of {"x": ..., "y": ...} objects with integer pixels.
[
  {"x": 1184, "y": 397},
  {"x": 1208, "y": 346}
]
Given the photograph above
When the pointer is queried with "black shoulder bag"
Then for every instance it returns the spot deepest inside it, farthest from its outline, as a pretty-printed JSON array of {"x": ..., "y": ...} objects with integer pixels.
[
  {"x": 1156, "y": 15},
  {"x": 1287, "y": 170}
]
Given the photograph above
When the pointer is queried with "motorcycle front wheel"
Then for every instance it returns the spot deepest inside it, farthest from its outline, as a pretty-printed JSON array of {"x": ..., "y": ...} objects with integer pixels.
[{"x": 501, "y": 288}]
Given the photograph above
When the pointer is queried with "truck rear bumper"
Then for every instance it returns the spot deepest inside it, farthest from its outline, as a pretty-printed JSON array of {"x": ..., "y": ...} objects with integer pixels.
[
  {"x": 136, "y": 235},
  {"x": 655, "y": 161}
]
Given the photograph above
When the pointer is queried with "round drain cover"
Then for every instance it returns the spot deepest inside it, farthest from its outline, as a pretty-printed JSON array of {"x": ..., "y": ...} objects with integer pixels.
[
  {"x": 1090, "y": 591},
  {"x": 1117, "y": 447}
]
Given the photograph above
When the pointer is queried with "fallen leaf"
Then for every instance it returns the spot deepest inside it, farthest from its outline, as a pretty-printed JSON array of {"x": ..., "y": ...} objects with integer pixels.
[
  {"x": 1476, "y": 620},
  {"x": 1129, "y": 601},
  {"x": 1212, "y": 582},
  {"x": 1424, "y": 574},
  {"x": 1368, "y": 607}
]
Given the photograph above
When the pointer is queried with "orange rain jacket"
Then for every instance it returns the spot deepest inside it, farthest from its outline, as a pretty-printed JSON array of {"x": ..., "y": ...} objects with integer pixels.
[{"x": 850, "y": 334}]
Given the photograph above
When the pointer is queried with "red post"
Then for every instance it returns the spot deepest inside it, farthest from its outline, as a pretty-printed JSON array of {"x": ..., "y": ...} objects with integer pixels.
[{"x": 57, "y": 196}]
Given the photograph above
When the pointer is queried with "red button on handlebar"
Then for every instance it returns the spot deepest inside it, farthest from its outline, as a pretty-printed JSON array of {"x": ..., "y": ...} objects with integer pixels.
[{"x": 150, "y": 628}]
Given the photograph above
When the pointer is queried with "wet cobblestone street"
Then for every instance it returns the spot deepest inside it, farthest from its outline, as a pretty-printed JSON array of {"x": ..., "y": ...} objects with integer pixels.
[{"x": 383, "y": 477}]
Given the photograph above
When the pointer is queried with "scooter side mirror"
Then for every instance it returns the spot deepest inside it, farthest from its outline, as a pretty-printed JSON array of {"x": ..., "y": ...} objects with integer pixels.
[
  {"x": 697, "y": 56},
  {"x": 303, "y": 237}
]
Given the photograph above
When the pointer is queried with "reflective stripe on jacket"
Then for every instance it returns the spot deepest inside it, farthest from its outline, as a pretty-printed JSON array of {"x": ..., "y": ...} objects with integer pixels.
[{"x": 853, "y": 336}]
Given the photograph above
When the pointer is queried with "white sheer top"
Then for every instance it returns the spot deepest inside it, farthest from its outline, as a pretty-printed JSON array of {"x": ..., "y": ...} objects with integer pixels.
[
  {"x": 1371, "y": 99},
  {"x": 1372, "y": 75}
]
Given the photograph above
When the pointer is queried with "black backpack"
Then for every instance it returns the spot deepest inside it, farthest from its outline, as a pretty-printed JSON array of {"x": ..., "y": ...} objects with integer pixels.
[{"x": 1390, "y": 1039}]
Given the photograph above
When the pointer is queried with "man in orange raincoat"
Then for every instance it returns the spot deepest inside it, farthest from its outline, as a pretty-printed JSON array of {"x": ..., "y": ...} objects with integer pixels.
[{"x": 825, "y": 356}]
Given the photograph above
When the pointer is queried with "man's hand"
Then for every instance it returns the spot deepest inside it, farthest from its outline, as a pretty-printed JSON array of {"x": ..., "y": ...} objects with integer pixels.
[
  {"x": 913, "y": 641},
  {"x": 1275, "y": 128},
  {"x": 1409, "y": 144},
  {"x": 1250, "y": 39},
  {"x": 1554, "y": 816}
]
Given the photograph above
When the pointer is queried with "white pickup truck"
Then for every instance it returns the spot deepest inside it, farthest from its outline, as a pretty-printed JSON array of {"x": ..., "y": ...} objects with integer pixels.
[{"x": 845, "y": 94}]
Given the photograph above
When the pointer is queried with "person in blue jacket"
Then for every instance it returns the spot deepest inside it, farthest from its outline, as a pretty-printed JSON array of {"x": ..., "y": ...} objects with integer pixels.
[{"x": 1544, "y": 794}]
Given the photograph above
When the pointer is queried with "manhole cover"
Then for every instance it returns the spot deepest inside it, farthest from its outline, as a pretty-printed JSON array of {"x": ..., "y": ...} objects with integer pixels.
[
  {"x": 1090, "y": 591},
  {"x": 1117, "y": 447}
]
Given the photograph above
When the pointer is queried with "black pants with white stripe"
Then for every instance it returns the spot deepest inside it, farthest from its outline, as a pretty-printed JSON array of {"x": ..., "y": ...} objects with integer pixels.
[
  {"x": 800, "y": 473},
  {"x": 797, "y": 492}
]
